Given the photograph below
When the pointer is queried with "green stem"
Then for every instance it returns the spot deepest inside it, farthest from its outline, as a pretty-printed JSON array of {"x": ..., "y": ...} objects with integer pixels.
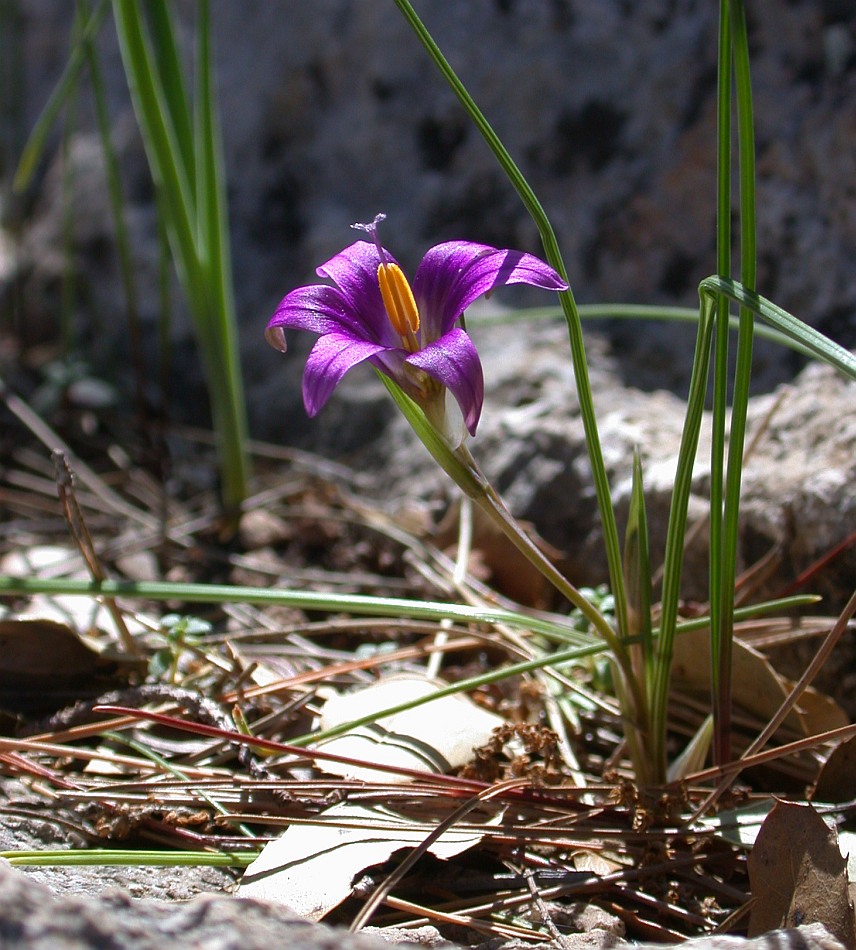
[
  {"x": 720, "y": 374},
  {"x": 676, "y": 532},
  {"x": 462, "y": 468},
  {"x": 742, "y": 376},
  {"x": 569, "y": 307}
]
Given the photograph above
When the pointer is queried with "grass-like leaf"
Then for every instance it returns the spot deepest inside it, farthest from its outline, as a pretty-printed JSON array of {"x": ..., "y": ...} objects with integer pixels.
[
  {"x": 811, "y": 340},
  {"x": 62, "y": 91},
  {"x": 612, "y": 543},
  {"x": 183, "y": 145}
]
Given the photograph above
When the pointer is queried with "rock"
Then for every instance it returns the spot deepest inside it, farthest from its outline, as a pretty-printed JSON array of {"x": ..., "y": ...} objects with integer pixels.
[
  {"x": 332, "y": 112},
  {"x": 32, "y": 917},
  {"x": 798, "y": 480},
  {"x": 807, "y": 937},
  {"x": 32, "y": 822}
]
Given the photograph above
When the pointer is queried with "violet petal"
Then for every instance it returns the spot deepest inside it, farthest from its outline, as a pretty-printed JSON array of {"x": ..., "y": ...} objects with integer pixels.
[
  {"x": 453, "y": 275},
  {"x": 331, "y": 357},
  {"x": 453, "y": 361}
]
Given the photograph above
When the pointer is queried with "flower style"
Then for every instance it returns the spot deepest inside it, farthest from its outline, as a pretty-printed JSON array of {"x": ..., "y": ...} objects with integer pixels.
[{"x": 410, "y": 333}]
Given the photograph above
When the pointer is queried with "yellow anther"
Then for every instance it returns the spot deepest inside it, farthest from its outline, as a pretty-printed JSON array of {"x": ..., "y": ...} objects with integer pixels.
[{"x": 398, "y": 299}]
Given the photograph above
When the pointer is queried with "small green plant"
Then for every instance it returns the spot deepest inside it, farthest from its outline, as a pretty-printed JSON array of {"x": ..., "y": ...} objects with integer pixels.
[
  {"x": 415, "y": 340},
  {"x": 182, "y": 137},
  {"x": 182, "y": 633},
  {"x": 414, "y": 337}
]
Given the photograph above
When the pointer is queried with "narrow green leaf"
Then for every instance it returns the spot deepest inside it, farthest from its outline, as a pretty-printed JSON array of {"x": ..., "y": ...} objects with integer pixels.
[
  {"x": 213, "y": 241},
  {"x": 612, "y": 543},
  {"x": 360, "y": 604},
  {"x": 719, "y": 413},
  {"x": 109, "y": 857},
  {"x": 723, "y": 631},
  {"x": 673, "y": 559},
  {"x": 66, "y": 84},
  {"x": 625, "y": 311},
  {"x": 637, "y": 572},
  {"x": 169, "y": 173},
  {"x": 185, "y": 156},
  {"x": 161, "y": 28},
  {"x": 819, "y": 345}
]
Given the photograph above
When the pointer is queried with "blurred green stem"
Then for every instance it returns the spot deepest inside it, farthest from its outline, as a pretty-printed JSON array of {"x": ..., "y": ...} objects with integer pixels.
[
  {"x": 183, "y": 145},
  {"x": 117, "y": 207},
  {"x": 723, "y": 626}
]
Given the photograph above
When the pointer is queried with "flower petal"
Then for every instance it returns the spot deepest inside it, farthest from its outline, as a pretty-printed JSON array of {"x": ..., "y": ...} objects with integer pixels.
[
  {"x": 318, "y": 308},
  {"x": 331, "y": 357},
  {"x": 354, "y": 270},
  {"x": 453, "y": 275},
  {"x": 453, "y": 361}
]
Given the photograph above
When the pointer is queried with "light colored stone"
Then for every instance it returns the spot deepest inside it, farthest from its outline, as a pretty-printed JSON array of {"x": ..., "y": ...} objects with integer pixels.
[{"x": 332, "y": 111}]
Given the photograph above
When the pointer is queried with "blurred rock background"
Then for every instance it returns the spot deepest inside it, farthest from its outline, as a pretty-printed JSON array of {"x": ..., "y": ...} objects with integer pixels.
[{"x": 332, "y": 112}]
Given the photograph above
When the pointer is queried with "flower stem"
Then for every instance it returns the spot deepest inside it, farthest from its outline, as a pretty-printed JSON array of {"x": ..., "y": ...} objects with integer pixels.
[
  {"x": 494, "y": 507},
  {"x": 462, "y": 468},
  {"x": 553, "y": 255}
]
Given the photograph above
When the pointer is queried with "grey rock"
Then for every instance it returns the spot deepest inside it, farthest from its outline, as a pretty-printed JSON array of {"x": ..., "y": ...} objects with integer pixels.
[
  {"x": 30, "y": 822},
  {"x": 798, "y": 486},
  {"x": 806, "y": 937},
  {"x": 32, "y": 916},
  {"x": 332, "y": 111}
]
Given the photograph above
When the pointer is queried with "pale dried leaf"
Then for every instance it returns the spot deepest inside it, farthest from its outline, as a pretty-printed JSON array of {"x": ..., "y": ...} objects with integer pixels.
[
  {"x": 695, "y": 752},
  {"x": 433, "y": 737},
  {"x": 757, "y": 687},
  {"x": 596, "y": 862},
  {"x": 312, "y": 868},
  {"x": 43, "y": 560}
]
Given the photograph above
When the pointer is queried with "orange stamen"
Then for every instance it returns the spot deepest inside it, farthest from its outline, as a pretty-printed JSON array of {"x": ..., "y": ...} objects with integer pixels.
[{"x": 398, "y": 299}]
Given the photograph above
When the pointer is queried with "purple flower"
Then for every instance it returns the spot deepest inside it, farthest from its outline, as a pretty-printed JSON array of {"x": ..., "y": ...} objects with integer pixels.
[{"x": 409, "y": 333}]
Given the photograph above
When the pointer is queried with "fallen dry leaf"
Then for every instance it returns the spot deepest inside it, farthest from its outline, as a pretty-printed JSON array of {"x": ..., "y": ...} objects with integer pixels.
[
  {"x": 798, "y": 875},
  {"x": 46, "y": 665},
  {"x": 434, "y": 737},
  {"x": 757, "y": 687},
  {"x": 312, "y": 868}
]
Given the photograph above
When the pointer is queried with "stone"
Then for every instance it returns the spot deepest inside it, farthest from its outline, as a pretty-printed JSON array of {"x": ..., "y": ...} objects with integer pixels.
[
  {"x": 31, "y": 916},
  {"x": 798, "y": 478},
  {"x": 332, "y": 112}
]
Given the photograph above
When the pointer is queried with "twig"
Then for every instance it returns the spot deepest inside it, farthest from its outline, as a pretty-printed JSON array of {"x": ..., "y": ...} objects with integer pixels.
[
  {"x": 543, "y": 910},
  {"x": 83, "y": 540},
  {"x": 459, "y": 813}
]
